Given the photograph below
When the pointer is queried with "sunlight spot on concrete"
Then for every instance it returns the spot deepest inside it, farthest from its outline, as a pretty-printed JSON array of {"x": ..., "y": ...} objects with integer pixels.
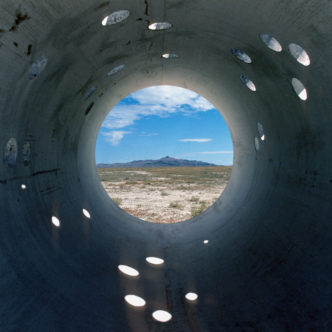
[
  {"x": 135, "y": 300},
  {"x": 55, "y": 221},
  {"x": 129, "y": 271},
  {"x": 161, "y": 316},
  {"x": 154, "y": 260},
  {"x": 160, "y": 26},
  {"x": 191, "y": 296}
]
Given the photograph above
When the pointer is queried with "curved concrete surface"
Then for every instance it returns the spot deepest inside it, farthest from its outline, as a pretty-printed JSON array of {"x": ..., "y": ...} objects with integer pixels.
[{"x": 267, "y": 266}]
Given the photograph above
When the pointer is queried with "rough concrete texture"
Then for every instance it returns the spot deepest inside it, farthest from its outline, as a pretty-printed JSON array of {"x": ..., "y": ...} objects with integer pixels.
[{"x": 267, "y": 266}]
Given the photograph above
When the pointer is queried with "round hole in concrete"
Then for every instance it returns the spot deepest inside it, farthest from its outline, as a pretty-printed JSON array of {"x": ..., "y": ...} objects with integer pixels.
[
  {"x": 249, "y": 84},
  {"x": 90, "y": 92},
  {"x": 157, "y": 151},
  {"x": 11, "y": 151},
  {"x": 115, "y": 70},
  {"x": 241, "y": 55},
  {"x": 261, "y": 131},
  {"x": 115, "y": 17},
  {"x": 37, "y": 67},
  {"x": 129, "y": 271},
  {"x": 271, "y": 42},
  {"x": 299, "y": 54},
  {"x": 55, "y": 221},
  {"x": 192, "y": 297},
  {"x": 299, "y": 89},
  {"x": 162, "y": 316},
  {"x": 170, "y": 56},
  {"x": 135, "y": 300},
  {"x": 160, "y": 26},
  {"x": 256, "y": 142}
]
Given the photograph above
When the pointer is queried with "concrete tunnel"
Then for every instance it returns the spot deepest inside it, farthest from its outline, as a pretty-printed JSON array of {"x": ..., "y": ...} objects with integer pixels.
[{"x": 267, "y": 266}]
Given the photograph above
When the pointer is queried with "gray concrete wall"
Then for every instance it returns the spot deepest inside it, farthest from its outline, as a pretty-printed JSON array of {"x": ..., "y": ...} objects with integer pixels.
[{"x": 267, "y": 266}]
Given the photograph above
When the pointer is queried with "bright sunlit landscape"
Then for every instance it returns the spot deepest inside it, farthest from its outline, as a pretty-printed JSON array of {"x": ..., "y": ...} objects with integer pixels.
[{"x": 164, "y": 154}]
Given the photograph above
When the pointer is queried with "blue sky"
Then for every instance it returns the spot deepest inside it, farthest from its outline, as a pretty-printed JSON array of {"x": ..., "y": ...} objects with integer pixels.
[{"x": 164, "y": 121}]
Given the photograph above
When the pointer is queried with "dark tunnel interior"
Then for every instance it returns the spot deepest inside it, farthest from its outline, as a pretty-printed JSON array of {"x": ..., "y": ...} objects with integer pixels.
[{"x": 267, "y": 266}]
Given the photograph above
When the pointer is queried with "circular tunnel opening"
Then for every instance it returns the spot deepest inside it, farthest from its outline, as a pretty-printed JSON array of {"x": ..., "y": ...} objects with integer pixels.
[
  {"x": 257, "y": 259},
  {"x": 164, "y": 154}
]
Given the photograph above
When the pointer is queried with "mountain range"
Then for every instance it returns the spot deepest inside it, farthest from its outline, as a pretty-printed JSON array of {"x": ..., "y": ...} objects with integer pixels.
[{"x": 162, "y": 162}]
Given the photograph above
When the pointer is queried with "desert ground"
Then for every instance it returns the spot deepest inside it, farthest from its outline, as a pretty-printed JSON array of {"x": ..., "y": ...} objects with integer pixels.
[{"x": 165, "y": 194}]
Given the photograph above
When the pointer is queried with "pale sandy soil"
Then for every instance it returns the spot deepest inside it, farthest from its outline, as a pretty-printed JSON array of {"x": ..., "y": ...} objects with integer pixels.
[{"x": 159, "y": 200}]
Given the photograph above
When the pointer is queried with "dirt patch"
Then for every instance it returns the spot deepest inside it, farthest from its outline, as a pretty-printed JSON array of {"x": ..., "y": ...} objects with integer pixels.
[{"x": 166, "y": 194}]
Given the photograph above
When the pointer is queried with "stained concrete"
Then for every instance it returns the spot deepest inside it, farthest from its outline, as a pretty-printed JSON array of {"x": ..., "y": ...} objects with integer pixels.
[{"x": 267, "y": 266}]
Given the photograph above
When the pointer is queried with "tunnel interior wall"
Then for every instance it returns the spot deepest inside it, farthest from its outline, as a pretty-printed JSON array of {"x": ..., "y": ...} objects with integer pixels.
[{"x": 267, "y": 265}]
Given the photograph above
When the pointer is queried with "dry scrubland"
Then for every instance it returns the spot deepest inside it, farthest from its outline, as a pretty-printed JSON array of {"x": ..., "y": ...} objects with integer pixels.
[{"x": 165, "y": 194}]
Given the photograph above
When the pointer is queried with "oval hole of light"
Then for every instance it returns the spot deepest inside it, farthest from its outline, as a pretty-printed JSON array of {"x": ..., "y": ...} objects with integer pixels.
[
  {"x": 154, "y": 260},
  {"x": 11, "y": 151},
  {"x": 23, "y": 186},
  {"x": 250, "y": 84},
  {"x": 135, "y": 300},
  {"x": 55, "y": 221},
  {"x": 115, "y": 17},
  {"x": 115, "y": 70},
  {"x": 37, "y": 67},
  {"x": 191, "y": 296},
  {"x": 86, "y": 213},
  {"x": 160, "y": 26},
  {"x": 261, "y": 131},
  {"x": 241, "y": 55},
  {"x": 299, "y": 54},
  {"x": 90, "y": 92},
  {"x": 170, "y": 56},
  {"x": 256, "y": 143},
  {"x": 129, "y": 271},
  {"x": 271, "y": 42},
  {"x": 299, "y": 89},
  {"x": 162, "y": 316}
]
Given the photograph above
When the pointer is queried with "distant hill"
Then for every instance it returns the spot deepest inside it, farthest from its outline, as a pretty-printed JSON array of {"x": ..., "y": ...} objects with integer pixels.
[{"x": 163, "y": 162}]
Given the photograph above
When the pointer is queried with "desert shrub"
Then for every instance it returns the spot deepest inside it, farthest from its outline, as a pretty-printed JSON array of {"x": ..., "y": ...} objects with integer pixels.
[
  {"x": 163, "y": 193},
  {"x": 174, "y": 205},
  {"x": 182, "y": 187},
  {"x": 117, "y": 200},
  {"x": 131, "y": 182},
  {"x": 195, "y": 211},
  {"x": 203, "y": 205},
  {"x": 194, "y": 199}
]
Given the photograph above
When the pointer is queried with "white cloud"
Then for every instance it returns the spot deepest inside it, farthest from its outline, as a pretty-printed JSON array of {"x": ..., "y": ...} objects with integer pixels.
[
  {"x": 114, "y": 137},
  {"x": 217, "y": 152},
  {"x": 197, "y": 140},
  {"x": 159, "y": 101},
  {"x": 171, "y": 96},
  {"x": 146, "y": 134}
]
